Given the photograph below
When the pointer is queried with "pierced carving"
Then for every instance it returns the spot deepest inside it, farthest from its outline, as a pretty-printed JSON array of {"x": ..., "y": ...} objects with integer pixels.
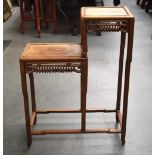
[
  {"x": 108, "y": 26},
  {"x": 53, "y": 67}
]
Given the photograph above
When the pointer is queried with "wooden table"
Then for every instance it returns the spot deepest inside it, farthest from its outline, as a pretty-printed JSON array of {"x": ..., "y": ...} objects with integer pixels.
[
  {"x": 51, "y": 58},
  {"x": 69, "y": 57},
  {"x": 113, "y": 19}
]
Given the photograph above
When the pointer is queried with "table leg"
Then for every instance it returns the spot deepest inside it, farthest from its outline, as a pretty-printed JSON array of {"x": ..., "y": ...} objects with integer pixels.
[
  {"x": 84, "y": 77},
  {"x": 37, "y": 17},
  {"x": 119, "y": 87},
  {"x": 54, "y": 21},
  {"x": 127, "y": 76},
  {"x": 33, "y": 100},
  {"x": 46, "y": 12},
  {"x": 21, "y": 4},
  {"x": 40, "y": 13},
  {"x": 35, "y": 21},
  {"x": 26, "y": 103}
]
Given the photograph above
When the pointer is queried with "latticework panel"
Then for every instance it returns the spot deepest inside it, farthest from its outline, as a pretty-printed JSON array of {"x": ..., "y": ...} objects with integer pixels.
[
  {"x": 54, "y": 67},
  {"x": 106, "y": 26}
]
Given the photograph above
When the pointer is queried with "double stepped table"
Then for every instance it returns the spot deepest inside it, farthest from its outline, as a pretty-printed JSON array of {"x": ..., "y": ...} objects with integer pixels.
[{"x": 69, "y": 57}]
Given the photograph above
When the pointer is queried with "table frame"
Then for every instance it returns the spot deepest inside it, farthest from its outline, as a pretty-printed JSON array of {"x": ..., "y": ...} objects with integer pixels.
[{"x": 123, "y": 25}]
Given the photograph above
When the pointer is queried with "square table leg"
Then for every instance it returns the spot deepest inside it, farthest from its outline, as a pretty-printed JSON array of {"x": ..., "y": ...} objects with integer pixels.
[
  {"x": 120, "y": 72},
  {"x": 33, "y": 100},
  {"x": 37, "y": 16},
  {"x": 84, "y": 77},
  {"x": 127, "y": 76},
  {"x": 21, "y": 4},
  {"x": 26, "y": 103},
  {"x": 53, "y": 5}
]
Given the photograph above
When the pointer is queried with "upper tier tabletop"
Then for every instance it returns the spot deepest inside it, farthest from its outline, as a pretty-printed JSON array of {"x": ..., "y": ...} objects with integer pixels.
[
  {"x": 51, "y": 51},
  {"x": 105, "y": 13}
]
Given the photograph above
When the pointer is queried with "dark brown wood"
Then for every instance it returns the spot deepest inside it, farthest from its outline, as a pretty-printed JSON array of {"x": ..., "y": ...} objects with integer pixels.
[
  {"x": 50, "y": 15},
  {"x": 54, "y": 17},
  {"x": 120, "y": 72},
  {"x": 37, "y": 16},
  {"x": 26, "y": 103},
  {"x": 45, "y": 13},
  {"x": 40, "y": 12},
  {"x": 127, "y": 76},
  {"x": 33, "y": 100},
  {"x": 30, "y": 17},
  {"x": 46, "y": 111},
  {"x": 84, "y": 75},
  {"x": 35, "y": 21},
  {"x": 21, "y": 3},
  {"x": 83, "y": 29}
]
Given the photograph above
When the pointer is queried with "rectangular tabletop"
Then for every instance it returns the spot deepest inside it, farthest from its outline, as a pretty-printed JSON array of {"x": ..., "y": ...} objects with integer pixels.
[
  {"x": 105, "y": 12},
  {"x": 51, "y": 51}
]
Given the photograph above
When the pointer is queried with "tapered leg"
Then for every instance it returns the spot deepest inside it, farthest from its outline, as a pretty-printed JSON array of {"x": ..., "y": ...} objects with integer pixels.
[
  {"x": 40, "y": 13},
  {"x": 35, "y": 21},
  {"x": 33, "y": 100},
  {"x": 26, "y": 103},
  {"x": 127, "y": 76},
  {"x": 37, "y": 17},
  {"x": 46, "y": 13},
  {"x": 54, "y": 21},
  {"x": 21, "y": 4},
  {"x": 125, "y": 101},
  {"x": 84, "y": 77},
  {"x": 121, "y": 58}
]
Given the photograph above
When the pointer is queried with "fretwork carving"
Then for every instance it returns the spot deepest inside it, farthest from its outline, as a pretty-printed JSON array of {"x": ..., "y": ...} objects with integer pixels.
[
  {"x": 106, "y": 26},
  {"x": 53, "y": 67}
]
